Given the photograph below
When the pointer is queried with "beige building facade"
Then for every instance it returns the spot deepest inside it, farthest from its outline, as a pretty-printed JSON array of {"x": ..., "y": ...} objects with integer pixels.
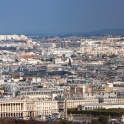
[
  {"x": 27, "y": 108},
  {"x": 16, "y": 108}
]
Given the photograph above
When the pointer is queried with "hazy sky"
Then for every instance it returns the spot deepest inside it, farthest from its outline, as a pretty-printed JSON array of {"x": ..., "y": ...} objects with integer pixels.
[{"x": 60, "y": 16}]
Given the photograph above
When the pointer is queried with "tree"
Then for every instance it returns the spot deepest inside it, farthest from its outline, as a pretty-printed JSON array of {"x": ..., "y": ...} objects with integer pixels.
[
  {"x": 65, "y": 122},
  {"x": 95, "y": 121},
  {"x": 22, "y": 121},
  {"x": 31, "y": 121},
  {"x": 2, "y": 121},
  {"x": 10, "y": 121},
  {"x": 103, "y": 119}
]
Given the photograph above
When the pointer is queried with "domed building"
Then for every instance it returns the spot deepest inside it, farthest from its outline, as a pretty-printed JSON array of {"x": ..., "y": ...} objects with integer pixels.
[{"x": 12, "y": 87}]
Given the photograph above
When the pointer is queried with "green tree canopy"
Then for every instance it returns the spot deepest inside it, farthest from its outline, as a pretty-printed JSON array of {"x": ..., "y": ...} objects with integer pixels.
[
  {"x": 10, "y": 121},
  {"x": 95, "y": 121},
  {"x": 65, "y": 122},
  {"x": 2, "y": 121},
  {"x": 103, "y": 119}
]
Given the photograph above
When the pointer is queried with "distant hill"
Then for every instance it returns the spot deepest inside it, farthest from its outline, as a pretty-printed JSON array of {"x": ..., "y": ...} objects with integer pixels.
[
  {"x": 97, "y": 33},
  {"x": 107, "y": 31},
  {"x": 87, "y": 34}
]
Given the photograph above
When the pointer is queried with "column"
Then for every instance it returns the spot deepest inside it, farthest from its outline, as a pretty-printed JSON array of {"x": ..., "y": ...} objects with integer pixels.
[
  {"x": 1, "y": 107},
  {"x": 5, "y": 107},
  {"x": 65, "y": 109},
  {"x": 15, "y": 106},
  {"x": 10, "y": 107},
  {"x": 20, "y": 107}
]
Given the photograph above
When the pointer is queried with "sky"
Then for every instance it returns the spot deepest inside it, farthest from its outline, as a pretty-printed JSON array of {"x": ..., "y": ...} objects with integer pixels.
[{"x": 60, "y": 16}]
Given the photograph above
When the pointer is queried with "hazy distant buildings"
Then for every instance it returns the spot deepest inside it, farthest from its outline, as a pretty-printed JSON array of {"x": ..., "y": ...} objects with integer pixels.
[
  {"x": 13, "y": 37},
  {"x": 68, "y": 44},
  {"x": 36, "y": 76}
]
